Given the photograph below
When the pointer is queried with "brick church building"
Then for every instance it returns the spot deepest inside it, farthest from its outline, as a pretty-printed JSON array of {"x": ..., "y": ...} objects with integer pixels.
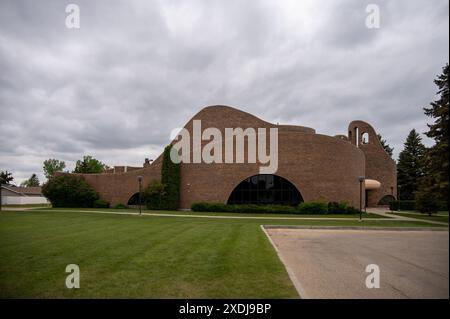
[{"x": 311, "y": 167}]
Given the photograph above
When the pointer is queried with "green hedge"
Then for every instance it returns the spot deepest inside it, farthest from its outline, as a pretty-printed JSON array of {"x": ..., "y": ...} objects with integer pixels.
[
  {"x": 402, "y": 204},
  {"x": 443, "y": 206},
  {"x": 100, "y": 203},
  {"x": 246, "y": 209},
  {"x": 319, "y": 208},
  {"x": 411, "y": 205}
]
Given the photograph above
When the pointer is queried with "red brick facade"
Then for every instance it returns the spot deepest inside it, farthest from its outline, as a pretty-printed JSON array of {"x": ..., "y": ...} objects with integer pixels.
[{"x": 321, "y": 167}]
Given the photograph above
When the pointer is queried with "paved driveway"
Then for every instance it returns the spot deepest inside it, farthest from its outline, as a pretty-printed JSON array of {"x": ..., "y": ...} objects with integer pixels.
[{"x": 332, "y": 263}]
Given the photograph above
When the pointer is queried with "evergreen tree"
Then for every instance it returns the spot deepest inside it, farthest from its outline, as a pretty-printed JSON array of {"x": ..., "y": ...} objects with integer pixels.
[
  {"x": 410, "y": 167},
  {"x": 6, "y": 177},
  {"x": 437, "y": 155},
  {"x": 385, "y": 145},
  {"x": 33, "y": 181}
]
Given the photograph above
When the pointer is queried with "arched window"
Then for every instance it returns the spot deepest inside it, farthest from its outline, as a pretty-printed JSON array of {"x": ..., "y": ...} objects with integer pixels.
[
  {"x": 265, "y": 189},
  {"x": 134, "y": 200},
  {"x": 365, "y": 138}
]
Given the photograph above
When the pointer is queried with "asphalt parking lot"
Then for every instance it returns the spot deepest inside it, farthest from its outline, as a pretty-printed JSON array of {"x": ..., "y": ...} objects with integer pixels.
[{"x": 332, "y": 263}]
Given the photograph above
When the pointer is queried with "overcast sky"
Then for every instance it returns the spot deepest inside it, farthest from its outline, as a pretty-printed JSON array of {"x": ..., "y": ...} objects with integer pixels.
[{"x": 134, "y": 70}]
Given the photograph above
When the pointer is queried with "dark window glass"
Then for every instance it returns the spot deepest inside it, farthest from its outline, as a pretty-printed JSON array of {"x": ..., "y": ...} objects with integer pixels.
[
  {"x": 265, "y": 189},
  {"x": 134, "y": 200}
]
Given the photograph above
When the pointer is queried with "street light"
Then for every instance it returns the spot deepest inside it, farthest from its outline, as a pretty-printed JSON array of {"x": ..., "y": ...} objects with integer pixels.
[
  {"x": 361, "y": 181},
  {"x": 399, "y": 187},
  {"x": 140, "y": 192}
]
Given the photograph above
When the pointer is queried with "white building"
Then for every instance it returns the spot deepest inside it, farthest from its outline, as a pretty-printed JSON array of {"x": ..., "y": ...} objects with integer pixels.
[{"x": 13, "y": 195}]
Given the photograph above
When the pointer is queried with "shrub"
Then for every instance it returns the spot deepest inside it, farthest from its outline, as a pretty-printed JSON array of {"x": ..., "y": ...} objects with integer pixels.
[
  {"x": 211, "y": 207},
  {"x": 100, "y": 203},
  {"x": 154, "y": 196},
  {"x": 245, "y": 209},
  {"x": 69, "y": 191},
  {"x": 319, "y": 208},
  {"x": 264, "y": 209},
  {"x": 337, "y": 208},
  {"x": 303, "y": 208},
  {"x": 402, "y": 204},
  {"x": 407, "y": 204},
  {"x": 443, "y": 206},
  {"x": 120, "y": 206},
  {"x": 427, "y": 202},
  {"x": 352, "y": 210}
]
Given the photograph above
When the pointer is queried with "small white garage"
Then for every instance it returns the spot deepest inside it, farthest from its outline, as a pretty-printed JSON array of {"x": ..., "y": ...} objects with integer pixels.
[{"x": 14, "y": 195}]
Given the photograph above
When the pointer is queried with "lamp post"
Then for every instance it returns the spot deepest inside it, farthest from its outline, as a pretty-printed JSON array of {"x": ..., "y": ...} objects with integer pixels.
[
  {"x": 399, "y": 187},
  {"x": 140, "y": 192},
  {"x": 361, "y": 181}
]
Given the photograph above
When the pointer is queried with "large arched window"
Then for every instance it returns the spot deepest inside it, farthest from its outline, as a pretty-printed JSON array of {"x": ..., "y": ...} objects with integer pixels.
[
  {"x": 265, "y": 189},
  {"x": 134, "y": 200}
]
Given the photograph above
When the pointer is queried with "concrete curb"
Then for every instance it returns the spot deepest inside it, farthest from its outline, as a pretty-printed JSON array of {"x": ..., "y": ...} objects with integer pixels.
[
  {"x": 356, "y": 228},
  {"x": 291, "y": 274}
]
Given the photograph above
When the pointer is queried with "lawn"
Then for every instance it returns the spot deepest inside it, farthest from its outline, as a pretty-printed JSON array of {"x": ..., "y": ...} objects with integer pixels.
[
  {"x": 264, "y": 216},
  {"x": 437, "y": 218},
  {"x": 144, "y": 257},
  {"x": 5, "y": 207}
]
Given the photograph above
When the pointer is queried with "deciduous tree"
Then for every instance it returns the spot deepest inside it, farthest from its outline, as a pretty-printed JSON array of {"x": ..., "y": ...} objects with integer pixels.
[
  {"x": 89, "y": 165},
  {"x": 51, "y": 166}
]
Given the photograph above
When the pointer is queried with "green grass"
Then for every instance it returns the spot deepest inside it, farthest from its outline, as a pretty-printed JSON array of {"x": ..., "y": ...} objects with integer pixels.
[
  {"x": 26, "y": 206},
  {"x": 144, "y": 257},
  {"x": 187, "y": 213},
  {"x": 439, "y": 213},
  {"x": 437, "y": 218}
]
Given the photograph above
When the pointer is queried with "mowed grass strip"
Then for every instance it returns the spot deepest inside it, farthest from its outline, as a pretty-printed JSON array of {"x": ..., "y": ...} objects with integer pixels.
[
  {"x": 144, "y": 257},
  {"x": 192, "y": 213}
]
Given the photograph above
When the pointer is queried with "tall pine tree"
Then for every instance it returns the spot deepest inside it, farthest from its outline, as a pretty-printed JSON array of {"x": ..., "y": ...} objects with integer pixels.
[
  {"x": 410, "y": 167},
  {"x": 437, "y": 155},
  {"x": 434, "y": 185}
]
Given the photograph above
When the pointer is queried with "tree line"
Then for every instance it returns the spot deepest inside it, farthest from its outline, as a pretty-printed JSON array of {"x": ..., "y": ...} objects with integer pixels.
[
  {"x": 422, "y": 173},
  {"x": 86, "y": 165}
]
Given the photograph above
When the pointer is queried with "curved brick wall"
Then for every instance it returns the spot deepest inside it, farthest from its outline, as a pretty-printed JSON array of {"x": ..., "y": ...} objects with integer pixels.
[
  {"x": 321, "y": 167},
  {"x": 379, "y": 165}
]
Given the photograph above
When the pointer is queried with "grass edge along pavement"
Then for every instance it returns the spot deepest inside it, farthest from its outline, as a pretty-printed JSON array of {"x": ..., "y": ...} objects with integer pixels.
[
  {"x": 434, "y": 217},
  {"x": 130, "y": 256}
]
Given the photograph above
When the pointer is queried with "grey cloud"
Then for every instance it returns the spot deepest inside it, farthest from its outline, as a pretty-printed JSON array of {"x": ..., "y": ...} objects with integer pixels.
[{"x": 135, "y": 70}]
